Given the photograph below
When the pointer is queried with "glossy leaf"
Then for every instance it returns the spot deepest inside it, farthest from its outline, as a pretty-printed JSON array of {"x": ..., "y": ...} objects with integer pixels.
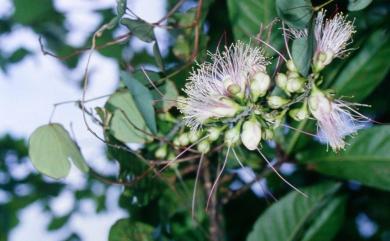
[
  {"x": 288, "y": 219},
  {"x": 125, "y": 230},
  {"x": 302, "y": 52},
  {"x": 127, "y": 123},
  {"x": 51, "y": 149},
  {"x": 356, "y": 5},
  {"x": 142, "y": 98},
  {"x": 296, "y": 13},
  {"x": 366, "y": 158},
  {"x": 139, "y": 28},
  {"x": 366, "y": 69}
]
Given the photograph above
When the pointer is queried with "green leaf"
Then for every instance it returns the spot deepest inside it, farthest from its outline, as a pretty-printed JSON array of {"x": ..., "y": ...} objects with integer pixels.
[
  {"x": 366, "y": 158},
  {"x": 140, "y": 28},
  {"x": 127, "y": 123},
  {"x": 121, "y": 6},
  {"x": 58, "y": 222},
  {"x": 289, "y": 218},
  {"x": 296, "y": 13},
  {"x": 302, "y": 53},
  {"x": 51, "y": 149},
  {"x": 126, "y": 230},
  {"x": 356, "y": 5},
  {"x": 157, "y": 56},
  {"x": 143, "y": 100},
  {"x": 169, "y": 97},
  {"x": 366, "y": 69},
  {"x": 256, "y": 12}
]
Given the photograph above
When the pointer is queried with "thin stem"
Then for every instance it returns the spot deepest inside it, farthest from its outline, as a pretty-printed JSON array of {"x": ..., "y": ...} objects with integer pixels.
[{"x": 196, "y": 185}]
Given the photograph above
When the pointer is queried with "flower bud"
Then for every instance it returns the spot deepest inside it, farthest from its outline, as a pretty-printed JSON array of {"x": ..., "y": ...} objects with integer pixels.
[
  {"x": 267, "y": 134},
  {"x": 299, "y": 114},
  {"x": 226, "y": 108},
  {"x": 176, "y": 141},
  {"x": 204, "y": 146},
  {"x": 214, "y": 133},
  {"x": 291, "y": 66},
  {"x": 281, "y": 81},
  {"x": 161, "y": 152},
  {"x": 295, "y": 85},
  {"x": 251, "y": 134},
  {"x": 291, "y": 75},
  {"x": 319, "y": 104},
  {"x": 232, "y": 136},
  {"x": 193, "y": 136},
  {"x": 259, "y": 85},
  {"x": 234, "y": 89},
  {"x": 183, "y": 139},
  {"x": 275, "y": 102},
  {"x": 322, "y": 59}
]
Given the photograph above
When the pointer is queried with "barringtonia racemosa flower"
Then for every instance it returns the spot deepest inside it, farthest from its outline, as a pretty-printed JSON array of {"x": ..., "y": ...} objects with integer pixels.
[
  {"x": 335, "y": 119},
  {"x": 212, "y": 87},
  {"x": 332, "y": 37}
]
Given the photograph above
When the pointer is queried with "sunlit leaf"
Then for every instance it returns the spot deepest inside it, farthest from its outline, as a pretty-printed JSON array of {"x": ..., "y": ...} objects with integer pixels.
[
  {"x": 51, "y": 149},
  {"x": 142, "y": 98}
]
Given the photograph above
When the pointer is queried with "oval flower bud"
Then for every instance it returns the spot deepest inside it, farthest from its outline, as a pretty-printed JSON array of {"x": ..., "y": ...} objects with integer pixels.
[
  {"x": 226, "y": 108},
  {"x": 295, "y": 85},
  {"x": 322, "y": 59},
  {"x": 275, "y": 102},
  {"x": 291, "y": 66},
  {"x": 161, "y": 152},
  {"x": 214, "y": 133},
  {"x": 232, "y": 136},
  {"x": 299, "y": 114},
  {"x": 259, "y": 85},
  {"x": 193, "y": 136},
  {"x": 204, "y": 146},
  {"x": 183, "y": 139},
  {"x": 251, "y": 134},
  {"x": 281, "y": 81}
]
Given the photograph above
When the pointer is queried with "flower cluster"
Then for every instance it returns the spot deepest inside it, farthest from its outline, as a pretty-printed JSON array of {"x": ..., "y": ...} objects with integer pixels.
[{"x": 232, "y": 94}]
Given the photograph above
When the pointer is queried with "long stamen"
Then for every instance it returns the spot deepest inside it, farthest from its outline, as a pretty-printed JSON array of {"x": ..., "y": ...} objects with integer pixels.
[
  {"x": 195, "y": 186},
  {"x": 279, "y": 175}
]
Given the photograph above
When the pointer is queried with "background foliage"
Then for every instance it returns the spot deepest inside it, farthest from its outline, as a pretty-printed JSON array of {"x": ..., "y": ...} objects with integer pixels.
[{"x": 343, "y": 187}]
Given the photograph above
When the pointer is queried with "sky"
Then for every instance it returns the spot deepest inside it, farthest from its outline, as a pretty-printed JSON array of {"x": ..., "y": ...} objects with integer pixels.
[{"x": 31, "y": 88}]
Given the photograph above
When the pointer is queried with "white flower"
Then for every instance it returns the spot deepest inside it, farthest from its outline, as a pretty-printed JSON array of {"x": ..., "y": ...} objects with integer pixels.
[
  {"x": 212, "y": 87},
  {"x": 335, "y": 119},
  {"x": 332, "y": 38}
]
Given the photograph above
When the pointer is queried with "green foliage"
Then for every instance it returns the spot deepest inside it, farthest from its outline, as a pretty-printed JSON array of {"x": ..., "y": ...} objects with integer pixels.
[
  {"x": 139, "y": 28},
  {"x": 124, "y": 230},
  {"x": 366, "y": 159},
  {"x": 51, "y": 149},
  {"x": 290, "y": 217},
  {"x": 302, "y": 53},
  {"x": 357, "y": 5},
  {"x": 296, "y": 13}
]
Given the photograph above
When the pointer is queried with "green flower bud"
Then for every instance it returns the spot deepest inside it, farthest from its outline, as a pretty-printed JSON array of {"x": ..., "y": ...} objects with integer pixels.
[
  {"x": 291, "y": 75},
  {"x": 176, "y": 141},
  {"x": 228, "y": 108},
  {"x": 161, "y": 152},
  {"x": 251, "y": 134},
  {"x": 281, "y": 81},
  {"x": 193, "y": 136},
  {"x": 291, "y": 66},
  {"x": 259, "y": 85},
  {"x": 184, "y": 140},
  {"x": 321, "y": 59},
  {"x": 299, "y": 114},
  {"x": 267, "y": 134},
  {"x": 276, "y": 102},
  {"x": 214, "y": 133},
  {"x": 295, "y": 85},
  {"x": 232, "y": 136},
  {"x": 204, "y": 146},
  {"x": 234, "y": 89}
]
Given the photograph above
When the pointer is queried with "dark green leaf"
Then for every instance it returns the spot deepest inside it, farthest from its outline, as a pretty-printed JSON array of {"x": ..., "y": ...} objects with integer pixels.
[
  {"x": 157, "y": 56},
  {"x": 127, "y": 123},
  {"x": 139, "y": 28},
  {"x": 367, "y": 69},
  {"x": 58, "y": 222},
  {"x": 51, "y": 149},
  {"x": 126, "y": 230},
  {"x": 356, "y": 5},
  {"x": 143, "y": 100},
  {"x": 289, "y": 218},
  {"x": 302, "y": 53},
  {"x": 296, "y": 13},
  {"x": 366, "y": 158}
]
